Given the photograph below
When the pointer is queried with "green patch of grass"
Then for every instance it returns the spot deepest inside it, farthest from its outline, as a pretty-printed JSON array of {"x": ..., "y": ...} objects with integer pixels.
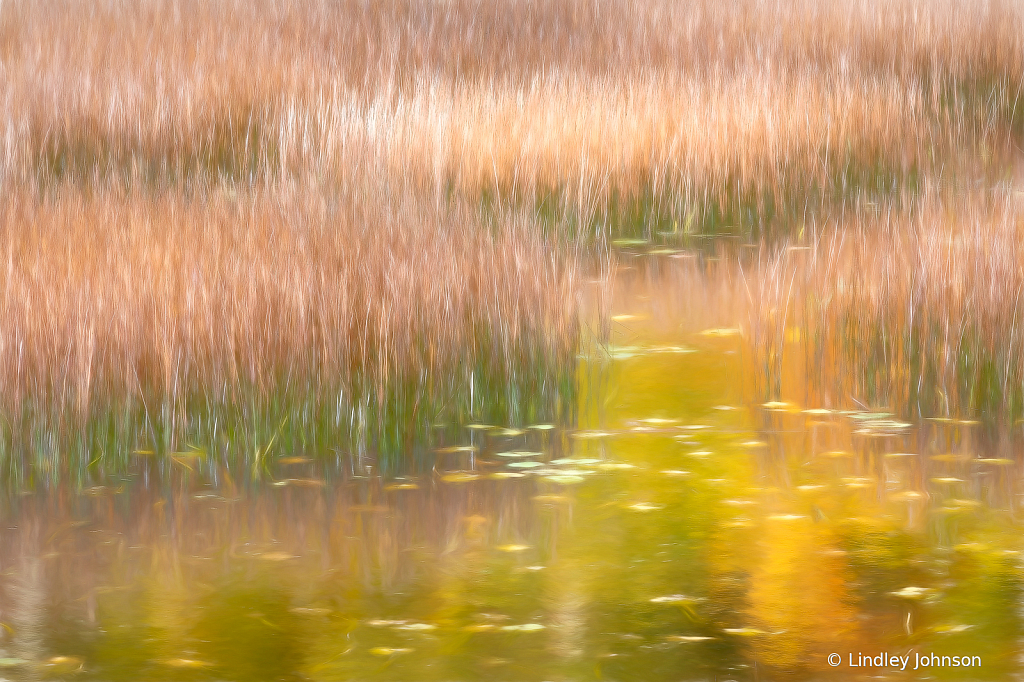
[{"x": 234, "y": 147}]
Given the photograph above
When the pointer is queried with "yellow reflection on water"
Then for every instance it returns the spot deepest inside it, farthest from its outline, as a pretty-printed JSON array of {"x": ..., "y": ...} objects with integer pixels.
[{"x": 686, "y": 526}]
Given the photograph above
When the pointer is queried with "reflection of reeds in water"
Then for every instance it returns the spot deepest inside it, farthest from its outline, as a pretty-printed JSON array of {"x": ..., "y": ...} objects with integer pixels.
[
  {"x": 346, "y": 316},
  {"x": 918, "y": 310}
]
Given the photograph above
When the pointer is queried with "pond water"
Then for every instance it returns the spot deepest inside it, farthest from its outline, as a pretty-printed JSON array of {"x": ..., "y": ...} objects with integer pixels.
[{"x": 682, "y": 529}]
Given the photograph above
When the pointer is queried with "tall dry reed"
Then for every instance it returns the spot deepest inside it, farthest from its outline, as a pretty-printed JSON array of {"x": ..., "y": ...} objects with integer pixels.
[
  {"x": 161, "y": 301},
  {"x": 592, "y": 99},
  {"x": 204, "y": 199},
  {"x": 918, "y": 310}
]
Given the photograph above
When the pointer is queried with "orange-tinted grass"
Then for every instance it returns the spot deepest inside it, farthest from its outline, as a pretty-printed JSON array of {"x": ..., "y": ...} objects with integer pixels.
[{"x": 110, "y": 297}]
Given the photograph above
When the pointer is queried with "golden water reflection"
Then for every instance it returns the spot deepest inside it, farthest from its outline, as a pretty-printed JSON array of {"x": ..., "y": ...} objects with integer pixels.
[{"x": 681, "y": 529}]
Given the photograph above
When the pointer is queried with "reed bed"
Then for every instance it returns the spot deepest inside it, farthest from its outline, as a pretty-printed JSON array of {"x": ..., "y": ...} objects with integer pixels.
[
  {"x": 916, "y": 310},
  {"x": 355, "y": 214},
  {"x": 702, "y": 104},
  {"x": 356, "y": 315}
]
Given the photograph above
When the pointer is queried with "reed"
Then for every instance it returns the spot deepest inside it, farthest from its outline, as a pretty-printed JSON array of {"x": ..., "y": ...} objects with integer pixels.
[
  {"x": 291, "y": 211},
  {"x": 701, "y": 104},
  {"x": 170, "y": 308},
  {"x": 918, "y": 310}
]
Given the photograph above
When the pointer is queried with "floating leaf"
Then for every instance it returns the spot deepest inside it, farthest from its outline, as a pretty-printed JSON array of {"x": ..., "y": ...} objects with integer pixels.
[
  {"x": 645, "y": 507},
  {"x": 525, "y": 465},
  {"x": 188, "y": 663},
  {"x": 869, "y": 416},
  {"x": 514, "y": 548},
  {"x": 402, "y": 486},
  {"x": 906, "y": 496},
  {"x": 964, "y": 503},
  {"x": 676, "y": 599},
  {"x": 276, "y": 556},
  {"x": 589, "y": 435},
  {"x": 416, "y": 627},
  {"x": 563, "y": 479},
  {"x": 525, "y": 627},
  {"x": 387, "y": 651},
  {"x": 744, "y": 632},
  {"x": 300, "y": 483},
  {"x": 972, "y": 547},
  {"x": 460, "y": 477},
  {"x": 912, "y": 593}
]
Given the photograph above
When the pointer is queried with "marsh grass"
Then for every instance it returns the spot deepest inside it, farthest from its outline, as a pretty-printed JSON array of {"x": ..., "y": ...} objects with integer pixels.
[
  {"x": 305, "y": 222},
  {"x": 919, "y": 310},
  {"x": 597, "y": 103},
  {"x": 230, "y": 146},
  {"x": 161, "y": 316}
]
